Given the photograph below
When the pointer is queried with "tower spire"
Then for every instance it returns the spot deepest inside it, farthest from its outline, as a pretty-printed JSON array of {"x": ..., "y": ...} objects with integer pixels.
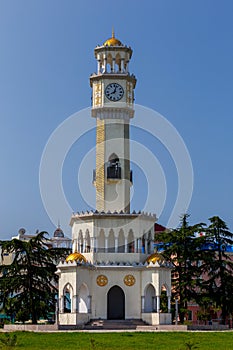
[{"x": 113, "y": 32}]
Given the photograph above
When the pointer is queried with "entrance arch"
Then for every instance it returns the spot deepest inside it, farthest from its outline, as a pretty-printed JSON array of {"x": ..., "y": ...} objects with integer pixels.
[{"x": 116, "y": 303}]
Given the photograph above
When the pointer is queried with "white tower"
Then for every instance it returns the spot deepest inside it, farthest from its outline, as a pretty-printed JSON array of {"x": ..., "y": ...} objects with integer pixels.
[
  {"x": 112, "y": 106},
  {"x": 113, "y": 272}
]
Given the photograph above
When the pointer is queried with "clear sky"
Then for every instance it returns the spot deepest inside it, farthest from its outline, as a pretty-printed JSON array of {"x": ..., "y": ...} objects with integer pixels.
[{"x": 182, "y": 58}]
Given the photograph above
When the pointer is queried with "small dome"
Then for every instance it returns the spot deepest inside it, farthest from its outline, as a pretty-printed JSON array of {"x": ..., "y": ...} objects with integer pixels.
[
  {"x": 155, "y": 257},
  {"x": 58, "y": 233},
  {"x": 76, "y": 257},
  {"x": 112, "y": 41}
]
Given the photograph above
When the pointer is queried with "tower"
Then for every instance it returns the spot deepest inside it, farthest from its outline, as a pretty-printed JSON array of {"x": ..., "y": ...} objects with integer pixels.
[
  {"x": 113, "y": 272},
  {"x": 112, "y": 106}
]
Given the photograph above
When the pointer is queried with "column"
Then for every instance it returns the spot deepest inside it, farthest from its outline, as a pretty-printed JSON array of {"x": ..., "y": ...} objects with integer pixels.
[
  {"x": 158, "y": 303},
  {"x": 126, "y": 245},
  {"x": 116, "y": 244},
  {"x": 105, "y": 64},
  {"x": 84, "y": 245},
  {"x": 89, "y": 304},
  {"x": 146, "y": 246},
  {"x": 126, "y": 70},
  {"x": 96, "y": 244},
  {"x": 122, "y": 65},
  {"x": 98, "y": 66},
  {"x": 106, "y": 244},
  {"x": 169, "y": 304},
  {"x": 92, "y": 244},
  {"x": 142, "y": 304},
  {"x": 61, "y": 302},
  {"x": 113, "y": 65},
  {"x": 135, "y": 245},
  {"x": 139, "y": 245},
  {"x": 75, "y": 304}
]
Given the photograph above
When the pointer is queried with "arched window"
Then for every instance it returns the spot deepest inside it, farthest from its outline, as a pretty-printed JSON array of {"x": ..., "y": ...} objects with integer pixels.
[
  {"x": 150, "y": 299},
  {"x": 101, "y": 242},
  {"x": 114, "y": 167},
  {"x": 130, "y": 242},
  {"x": 80, "y": 241},
  {"x": 111, "y": 242},
  {"x": 121, "y": 242},
  {"x": 88, "y": 242},
  {"x": 67, "y": 295}
]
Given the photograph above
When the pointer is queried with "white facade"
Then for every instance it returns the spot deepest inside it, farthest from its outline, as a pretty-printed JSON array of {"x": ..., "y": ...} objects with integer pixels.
[{"x": 112, "y": 272}]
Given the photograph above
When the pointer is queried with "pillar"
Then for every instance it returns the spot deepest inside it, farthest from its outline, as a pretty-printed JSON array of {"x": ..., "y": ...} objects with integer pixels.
[
  {"x": 142, "y": 304},
  {"x": 74, "y": 304},
  {"x": 116, "y": 244},
  {"x": 126, "y": 245},
  {"x": 169, "y": 304},
  {"x": 158, "y": 303},
  {"x": 106, "y": 244},
  {"x": 135, "y": 245}
]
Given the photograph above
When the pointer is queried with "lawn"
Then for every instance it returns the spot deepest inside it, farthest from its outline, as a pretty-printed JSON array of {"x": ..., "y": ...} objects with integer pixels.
[{"x": 124, "y": 341}]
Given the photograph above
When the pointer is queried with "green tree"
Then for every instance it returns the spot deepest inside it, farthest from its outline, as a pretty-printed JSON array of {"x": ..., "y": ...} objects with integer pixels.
[
  {"x": 28, "y": 286},
  {"x": 182, "y": 246},
  {"x": 219, "y": 278}
]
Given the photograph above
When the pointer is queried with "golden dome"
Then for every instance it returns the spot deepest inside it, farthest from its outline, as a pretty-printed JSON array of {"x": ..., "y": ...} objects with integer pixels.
[
  {"x": 112, "y": 41},
  {"x": 76, "y": 257},
  {"x": 155, "y": 257}
]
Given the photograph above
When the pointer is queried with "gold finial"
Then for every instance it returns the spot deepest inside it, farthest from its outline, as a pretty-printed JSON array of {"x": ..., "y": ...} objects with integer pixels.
[{"x": 113, "y": 33}]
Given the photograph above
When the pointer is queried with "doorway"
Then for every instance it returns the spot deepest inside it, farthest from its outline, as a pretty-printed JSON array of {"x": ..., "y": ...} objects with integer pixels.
[{"x": 116, "y": 303}]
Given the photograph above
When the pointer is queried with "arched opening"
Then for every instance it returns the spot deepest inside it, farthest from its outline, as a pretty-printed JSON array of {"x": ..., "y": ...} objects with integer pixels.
[
  {"x": 118, "y": 63},
  {"x": 83, "y": 299},
  {"x": 88, "y": 242},
  {"x": 150, "y": 299},
  {"x": 101, "y": 242},
  {"x": 121, "y": 242},
  {"x": 111, "y": 242},
  {"x": 114, "y": 167},
  {"x": 164, "y": 299},
  {"x": 130, "y": 242},
  {"x": 80, "y": 241},
  {"x": 149, "y": 250},
  {"x": 67, "y": 298},
  {"x": 116, "y": 304}
]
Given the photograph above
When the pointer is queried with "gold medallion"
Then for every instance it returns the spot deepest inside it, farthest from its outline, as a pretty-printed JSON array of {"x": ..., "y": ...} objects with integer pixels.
[
  {"x": 101, "y": 280},
  {"x": 129, "y": 280}
]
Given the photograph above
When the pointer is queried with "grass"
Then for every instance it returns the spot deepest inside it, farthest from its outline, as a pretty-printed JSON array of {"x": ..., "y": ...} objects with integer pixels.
[{"x": 124, "y": 341}]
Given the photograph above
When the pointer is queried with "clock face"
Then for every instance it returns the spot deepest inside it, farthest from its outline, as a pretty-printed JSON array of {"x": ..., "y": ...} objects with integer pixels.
[{"x": 114, "y": 92}]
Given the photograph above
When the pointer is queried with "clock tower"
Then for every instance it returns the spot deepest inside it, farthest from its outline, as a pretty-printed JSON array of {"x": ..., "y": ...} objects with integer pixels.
[
  {"x": 112, "y": 106},
  {"x": 113, "y": 272}
]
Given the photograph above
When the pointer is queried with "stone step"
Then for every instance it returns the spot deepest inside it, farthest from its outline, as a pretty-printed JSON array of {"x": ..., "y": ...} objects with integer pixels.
[{"x": 114, "y": 324}]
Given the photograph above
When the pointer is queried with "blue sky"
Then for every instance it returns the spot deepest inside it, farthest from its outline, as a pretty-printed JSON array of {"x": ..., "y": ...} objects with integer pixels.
[{"x": 182, "y": 58}]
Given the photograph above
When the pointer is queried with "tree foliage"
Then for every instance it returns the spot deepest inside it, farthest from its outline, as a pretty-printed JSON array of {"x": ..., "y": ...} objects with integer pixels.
[
  {"x": 182, "y": 248},
  {"x": 219, "y": 278},
  {"x": 28, "y": 285},
  {"x": 203, "y": 271}
]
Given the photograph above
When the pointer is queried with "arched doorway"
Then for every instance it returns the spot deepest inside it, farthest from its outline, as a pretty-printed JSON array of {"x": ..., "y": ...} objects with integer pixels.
[
  {"x": 150, "y": 301},
  {"x": 116, "y": 304}
]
